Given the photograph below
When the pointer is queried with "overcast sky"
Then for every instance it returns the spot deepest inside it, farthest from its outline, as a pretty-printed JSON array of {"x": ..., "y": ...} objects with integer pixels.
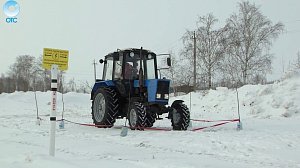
[{"x": 90, "y": 29}]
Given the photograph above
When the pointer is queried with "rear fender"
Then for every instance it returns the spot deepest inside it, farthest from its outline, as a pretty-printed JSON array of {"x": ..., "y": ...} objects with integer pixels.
[
  {"x": 170, "y": 109},
  {"x": 97, "y": 85},
  {"x": 177, "y": 102}
]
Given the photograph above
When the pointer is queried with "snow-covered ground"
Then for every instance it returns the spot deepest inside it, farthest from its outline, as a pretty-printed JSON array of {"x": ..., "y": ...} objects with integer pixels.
[{"x": 270, "y": 137}]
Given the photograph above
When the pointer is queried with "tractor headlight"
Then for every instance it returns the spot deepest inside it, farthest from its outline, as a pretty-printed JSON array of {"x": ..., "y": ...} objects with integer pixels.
[
  {"x": 158, "y": 96},
  {"x": 131, "y": 54},
  {"x": 166, "y": 96}
]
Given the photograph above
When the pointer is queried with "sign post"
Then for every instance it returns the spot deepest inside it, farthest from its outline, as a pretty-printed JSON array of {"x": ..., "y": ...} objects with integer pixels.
[
  {"x": 54, "y": 72},
  {"x": 54, "y": 60}
]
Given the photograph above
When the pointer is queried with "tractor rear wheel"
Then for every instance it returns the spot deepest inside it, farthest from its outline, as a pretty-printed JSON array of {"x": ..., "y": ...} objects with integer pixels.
[
  {"x": 137, "y": 116},
  {"x": 180, "y": 116},
  {"x": 105, "y": 107}
]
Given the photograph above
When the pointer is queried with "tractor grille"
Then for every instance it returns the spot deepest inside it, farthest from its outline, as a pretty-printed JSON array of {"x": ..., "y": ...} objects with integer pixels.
[{"x": 163, "y": 87}]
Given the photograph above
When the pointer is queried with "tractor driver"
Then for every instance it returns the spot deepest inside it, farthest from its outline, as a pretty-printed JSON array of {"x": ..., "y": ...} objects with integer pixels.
[{"x": 130, "y": 71}]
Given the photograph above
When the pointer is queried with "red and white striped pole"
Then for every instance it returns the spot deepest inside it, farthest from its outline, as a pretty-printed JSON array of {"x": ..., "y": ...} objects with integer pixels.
[{"x": 54, "y": 72}]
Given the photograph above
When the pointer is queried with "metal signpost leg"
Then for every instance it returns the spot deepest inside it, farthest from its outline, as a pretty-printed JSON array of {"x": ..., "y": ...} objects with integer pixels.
[{"x": 54, "y": 72}]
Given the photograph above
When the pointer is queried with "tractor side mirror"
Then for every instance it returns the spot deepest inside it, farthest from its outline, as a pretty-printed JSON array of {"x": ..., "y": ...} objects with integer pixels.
[
  {"x": 101, "y": 61},
  {"x": 169, "y": 61}
]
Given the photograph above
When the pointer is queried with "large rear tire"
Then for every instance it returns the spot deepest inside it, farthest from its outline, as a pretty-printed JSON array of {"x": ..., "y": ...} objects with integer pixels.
[
  {"x": 137, "y": 116},
  {"x": 105, "y": 107},
  {"x": 180, "y": 116}
]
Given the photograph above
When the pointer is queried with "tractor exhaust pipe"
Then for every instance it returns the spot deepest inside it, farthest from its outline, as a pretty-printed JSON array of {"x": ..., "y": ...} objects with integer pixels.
[{"x": 141, "y": 75}]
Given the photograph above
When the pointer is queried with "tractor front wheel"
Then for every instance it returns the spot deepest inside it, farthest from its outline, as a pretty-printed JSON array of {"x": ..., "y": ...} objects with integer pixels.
[
  {"x": 180, "y": 117},
  {"x": 137, "y": 116}
]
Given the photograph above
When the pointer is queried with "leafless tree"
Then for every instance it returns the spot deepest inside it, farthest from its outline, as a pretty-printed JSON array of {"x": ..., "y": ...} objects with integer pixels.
[
  {"x": 43, "y": 75},
  {"x": 21, "y": 71},
  {"x": 251, "y": 35},
  {"x": 210, "y": 45},
  {"x": 7, "y": 84},
  {"x": 84, "y": 87},
  {"x": 228, "y": 71},
  {"x": 2, "y": 79},
  {"x": 26, "y": 74},
  {"x": 71, "y": 86},
  {"x": 297, "y": 64}
]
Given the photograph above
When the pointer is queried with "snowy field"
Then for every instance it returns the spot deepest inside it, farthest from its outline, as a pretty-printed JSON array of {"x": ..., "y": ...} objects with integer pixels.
[{"x": 270, "y": 137}]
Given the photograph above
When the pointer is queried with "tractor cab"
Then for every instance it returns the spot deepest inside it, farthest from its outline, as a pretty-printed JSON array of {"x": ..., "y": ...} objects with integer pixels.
[{"x": 125, "y": 65}]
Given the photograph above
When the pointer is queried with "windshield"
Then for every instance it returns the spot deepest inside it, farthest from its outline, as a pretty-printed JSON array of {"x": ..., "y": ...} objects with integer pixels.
[{"x": 132, "y": 66}]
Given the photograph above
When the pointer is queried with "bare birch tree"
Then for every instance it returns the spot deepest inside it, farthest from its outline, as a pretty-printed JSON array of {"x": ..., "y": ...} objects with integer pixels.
[
  {"x": 251, "y": 35},
  {"x": 297, "y": 64},
  {"x": 21, "y": 72},
  {"x": 210, "y": 45}
]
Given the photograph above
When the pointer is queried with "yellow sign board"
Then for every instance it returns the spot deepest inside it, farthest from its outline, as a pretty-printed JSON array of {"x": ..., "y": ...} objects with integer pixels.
[{"x": 55, "y": 56}]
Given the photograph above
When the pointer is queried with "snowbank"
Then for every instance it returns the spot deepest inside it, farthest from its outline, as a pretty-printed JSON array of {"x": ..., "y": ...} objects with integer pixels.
[{"x": 281, "y": 99}]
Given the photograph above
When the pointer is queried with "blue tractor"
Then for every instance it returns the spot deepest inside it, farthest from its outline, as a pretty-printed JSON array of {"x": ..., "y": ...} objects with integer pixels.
[{"x": 130, "y": 88}]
